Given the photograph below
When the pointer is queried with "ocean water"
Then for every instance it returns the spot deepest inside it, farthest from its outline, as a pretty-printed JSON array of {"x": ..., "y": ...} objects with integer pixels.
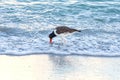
[{"x": 26, "y": 24}]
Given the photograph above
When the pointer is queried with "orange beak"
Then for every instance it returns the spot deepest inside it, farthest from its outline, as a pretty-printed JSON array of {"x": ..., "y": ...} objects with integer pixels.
[{"x": 51, "y": 40}]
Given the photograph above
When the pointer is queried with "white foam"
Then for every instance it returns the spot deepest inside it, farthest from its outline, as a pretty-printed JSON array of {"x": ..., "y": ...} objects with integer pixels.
[
  {"x": 15, "y": 2},
  {"x": 22, "y": 3},
  {"x": 32, "y": 33}
]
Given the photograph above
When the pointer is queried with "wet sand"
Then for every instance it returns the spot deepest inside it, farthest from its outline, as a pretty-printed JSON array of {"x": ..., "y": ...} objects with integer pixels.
[{"x": 53, "y": 67}]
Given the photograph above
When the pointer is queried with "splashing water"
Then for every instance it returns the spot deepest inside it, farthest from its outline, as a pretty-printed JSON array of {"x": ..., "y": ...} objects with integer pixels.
[{"x": 26, "y": 24}]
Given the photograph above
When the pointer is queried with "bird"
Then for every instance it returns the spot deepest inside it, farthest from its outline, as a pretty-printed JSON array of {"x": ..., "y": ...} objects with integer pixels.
[{"x": 63, "y": 31}]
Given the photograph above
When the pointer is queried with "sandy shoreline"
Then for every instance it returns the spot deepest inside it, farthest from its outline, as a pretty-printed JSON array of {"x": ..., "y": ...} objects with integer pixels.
[{"x": 53, "y": 67}]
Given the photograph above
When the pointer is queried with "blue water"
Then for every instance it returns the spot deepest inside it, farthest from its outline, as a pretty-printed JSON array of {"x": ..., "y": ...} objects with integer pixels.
[{"x": 26, "y": 24}]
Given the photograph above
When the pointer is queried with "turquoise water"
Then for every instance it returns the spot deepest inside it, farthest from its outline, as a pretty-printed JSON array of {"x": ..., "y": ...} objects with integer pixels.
[{"x": 26, "y": 24}]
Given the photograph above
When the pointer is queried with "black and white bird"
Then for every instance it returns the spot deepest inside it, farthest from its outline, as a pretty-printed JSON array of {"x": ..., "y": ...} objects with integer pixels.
[{"x": 63, "y": 31}]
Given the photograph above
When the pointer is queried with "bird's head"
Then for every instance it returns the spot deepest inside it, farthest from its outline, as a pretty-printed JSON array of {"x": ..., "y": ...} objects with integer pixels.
[{"x": 51, "y": 36}]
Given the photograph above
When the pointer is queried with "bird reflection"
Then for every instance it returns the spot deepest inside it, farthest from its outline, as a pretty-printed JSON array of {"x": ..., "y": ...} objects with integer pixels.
[{"x": 61, "y": 64}]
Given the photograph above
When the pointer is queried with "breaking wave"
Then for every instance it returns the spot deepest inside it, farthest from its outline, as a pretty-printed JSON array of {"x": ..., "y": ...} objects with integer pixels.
[{"x": 26, "y": 24}]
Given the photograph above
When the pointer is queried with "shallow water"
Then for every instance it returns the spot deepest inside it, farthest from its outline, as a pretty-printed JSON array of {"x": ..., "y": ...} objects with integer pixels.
[{"x": 26, "y": 24}]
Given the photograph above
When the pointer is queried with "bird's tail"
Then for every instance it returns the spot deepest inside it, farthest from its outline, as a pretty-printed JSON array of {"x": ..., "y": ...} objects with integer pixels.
[
  {"x": 76, "y": 30},
  {"x": 79, "y": 30}
]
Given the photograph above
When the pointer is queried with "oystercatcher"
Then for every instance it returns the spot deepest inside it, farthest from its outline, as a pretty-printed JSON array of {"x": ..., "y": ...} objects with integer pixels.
[{"x": 63, "y": 31}]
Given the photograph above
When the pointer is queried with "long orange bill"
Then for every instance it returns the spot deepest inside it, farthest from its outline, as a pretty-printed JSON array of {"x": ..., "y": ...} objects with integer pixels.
[{"x": 50, "y": 40}]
